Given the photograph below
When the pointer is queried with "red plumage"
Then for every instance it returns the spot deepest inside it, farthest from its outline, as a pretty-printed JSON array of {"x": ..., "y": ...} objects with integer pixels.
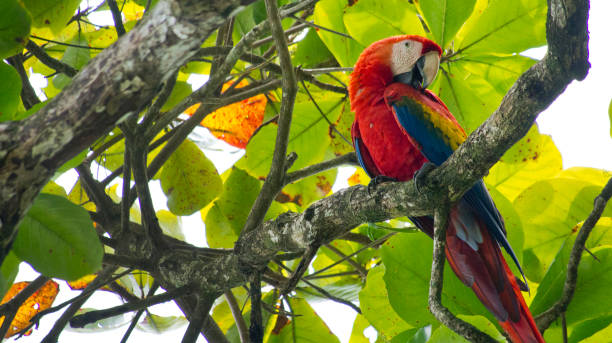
[{"x": 385, "y": 148}]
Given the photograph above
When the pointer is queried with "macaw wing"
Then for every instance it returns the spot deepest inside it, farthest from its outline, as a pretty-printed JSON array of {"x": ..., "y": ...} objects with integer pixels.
[
  {"x": 363, "y": 155},
  {"x": 424, "y": 118}
]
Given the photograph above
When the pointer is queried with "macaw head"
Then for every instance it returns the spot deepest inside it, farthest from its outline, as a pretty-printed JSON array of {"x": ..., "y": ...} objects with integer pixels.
[{"x": 409, "y": 59}]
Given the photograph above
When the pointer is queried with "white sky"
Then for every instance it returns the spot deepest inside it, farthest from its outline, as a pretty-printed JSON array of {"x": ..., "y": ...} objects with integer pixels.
[{"x": 577, "y": 121}]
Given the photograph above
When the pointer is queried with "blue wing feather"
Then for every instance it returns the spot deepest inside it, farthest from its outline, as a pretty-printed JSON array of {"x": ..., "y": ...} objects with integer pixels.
[{"x": 436, "y": 150}]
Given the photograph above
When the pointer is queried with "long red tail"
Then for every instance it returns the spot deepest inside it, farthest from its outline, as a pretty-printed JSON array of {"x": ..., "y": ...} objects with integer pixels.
[{"x": 485, "y": 271}]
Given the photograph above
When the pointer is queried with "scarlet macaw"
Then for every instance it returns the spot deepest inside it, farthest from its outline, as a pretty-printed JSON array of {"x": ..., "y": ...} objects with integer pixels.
[{"x": 399, "y": 126}]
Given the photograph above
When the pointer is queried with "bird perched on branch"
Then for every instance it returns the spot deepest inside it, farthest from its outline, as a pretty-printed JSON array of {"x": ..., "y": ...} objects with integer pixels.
[{"x": 400, "y": 126}]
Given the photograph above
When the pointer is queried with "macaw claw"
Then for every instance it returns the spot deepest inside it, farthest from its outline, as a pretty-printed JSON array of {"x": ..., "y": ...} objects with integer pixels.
[
  {"x": 377, "y": 180},
  {"x": 419, "y": 174}
]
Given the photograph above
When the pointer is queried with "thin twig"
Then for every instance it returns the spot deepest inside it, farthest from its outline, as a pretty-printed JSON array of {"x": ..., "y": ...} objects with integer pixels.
[
  {"x": 243, "y": 331},
  {"x": 117, "y": 19},
  {"x": 49, "y": 61},
  {"x": 28, "y": 95},
  {"x": 358, "y": 267},
  {"x": 274, "y": 181},
  {"x": 59, "y": 325},
  {"x": 302, "y": 267},
  {"x": 81, "y": 320},
  {"x": 441, "y": 313},
  {"x": 197, "y": 319},
  {"x": 547, "y": 317}
]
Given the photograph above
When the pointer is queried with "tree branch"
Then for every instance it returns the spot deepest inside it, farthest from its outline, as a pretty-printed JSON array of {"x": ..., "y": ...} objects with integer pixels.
[
  {"x": 544, "y": 319},
  {"x": 81, "y": 320},
  {"x": 119, "y": 81},
  {"x": 274, "y": 180}
]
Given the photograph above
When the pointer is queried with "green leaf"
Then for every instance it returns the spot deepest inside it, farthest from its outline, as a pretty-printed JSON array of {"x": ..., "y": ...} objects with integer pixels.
[
  {"x": 8, "y": 272},
  {"x": 534, "y": 158},
  {"x": 591, "y": 298},
  {"x": 610, "y": 116},
  {"x": 307, "y": 127},
  {"x": 505, "y": 26},
  {"x": 328, "y": 14},
  {"x": 407, "y": 258},
  {"x": 225, "y": 220},
  {"x": 368, "y": 20},
  {"x": 189, "y": 180},
  {"x": 73, "y": 162},
  {"x": 311, "y": 51},
  {"x": 58, "y": 239},
  {"x": 53, "y": 188},
  {"x": 179, "y": 92},
  {"x": 304, "y": 192},
  {"x": 376, "y": 308},
  {"x": 10, "y": 88},
  {"x": 53, "y": 14},
  {"x": 14, "y": 31},
  {"x": 159, "y": 324},
  {"x": 359, "y": 325},
  {"x": 309, "y": 327},
  {"x": 170, "y": 224},
  {"x": 76, "y": 57},
  {"x": 587, "y": 328},
  {"x": 445, "y": 17},
  {"x": 444, "y": 334},
  {"x": 550, "y": 211},
  {"x": 473, "y": 87}
]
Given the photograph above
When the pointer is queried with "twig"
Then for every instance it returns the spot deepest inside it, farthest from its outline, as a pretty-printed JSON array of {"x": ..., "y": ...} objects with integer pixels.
[
  {"x": 28, "y": 95},
  {"x": 378, "y": 241},
  {"x": 65, "y": 44},
  {"x": 441, "y": 313},
  {"x": 544, "y": 319},
  {"x": 243, "y": 331},
  {"x": 311, "y": 24},
  {"x": 274, "y": 180},
  {"x": 136, "y": 318},
  {"x": 112, "y": 5},
  {"x": 256, "y": 326},
  {"x": 49, "y": 61},
  {"x": 328, "y": 70},
  {"x": 127, "y": 261},
  {"x": 59, "y": 325},
  {"x": 358, "y": 267},
  {"x": 197, "y": 319},
  {"x": 81, "y": 320},
  {"x": 302, "y": 267}
]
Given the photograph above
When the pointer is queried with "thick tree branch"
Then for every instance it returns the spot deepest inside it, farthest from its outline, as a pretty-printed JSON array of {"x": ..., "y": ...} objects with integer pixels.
[{"x": 120, "y": 81}]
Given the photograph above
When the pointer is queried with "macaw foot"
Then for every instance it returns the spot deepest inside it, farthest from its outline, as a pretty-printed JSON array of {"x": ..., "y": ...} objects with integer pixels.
[
  {"x": 419, "y": 174},
  {"x": 377, "y": 180}
]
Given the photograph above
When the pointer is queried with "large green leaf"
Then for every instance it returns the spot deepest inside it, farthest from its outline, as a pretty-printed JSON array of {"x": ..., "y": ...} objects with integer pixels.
[
  {"x": 534, "y": 158},
  {"x": 226, "y": 218},
  {"x": 359, "y": 325},
  {"x": 591, "y": 299},
  {"x": 445, "y": 17},
  {"x": 58, "y": 239},
  {"x": 369, "y": 20},
  {"x": 307, "y": 326},
  {"x": 189, "y": 179},
  {"x": 14, "y": 29},
  {"x": 10, "y": 88},
  {"x": 76, "y": 57},
  {"x": 505, "y": 26},
  {"x": 304, "y": 192},
  {"x": 473, "y": 87},
  {"x": 550, "y": 211},
  {"x": 407, "y": 258},
  {"x": 311, "y": 51},
  {"x": 377, "y": 309},
  {"x": 8, "y": 272},
  {"x": 308, "y": 138},
  {"x": 329, "y": 14},
  {"x": 53, "y": 14}
]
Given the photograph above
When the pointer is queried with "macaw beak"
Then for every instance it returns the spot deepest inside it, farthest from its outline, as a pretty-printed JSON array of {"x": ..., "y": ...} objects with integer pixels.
[{"x": 423, "y": 73}]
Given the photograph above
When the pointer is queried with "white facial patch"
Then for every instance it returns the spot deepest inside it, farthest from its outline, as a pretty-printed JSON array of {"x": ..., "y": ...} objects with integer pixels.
[{"x": 404, "y": 55}]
